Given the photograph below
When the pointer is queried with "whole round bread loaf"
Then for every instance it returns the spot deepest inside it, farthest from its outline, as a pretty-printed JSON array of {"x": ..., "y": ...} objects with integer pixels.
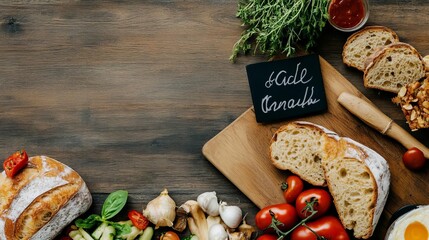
[{"x": 41, "y": 200}]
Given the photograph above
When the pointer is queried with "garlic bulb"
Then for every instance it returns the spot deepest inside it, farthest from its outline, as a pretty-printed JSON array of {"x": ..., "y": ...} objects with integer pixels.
[
  {"x": 208, "y": 202},
  {"x": 230, "y": 215},
  {"x": 161, "y": 211},
  {"x": 217, "y": 232}
]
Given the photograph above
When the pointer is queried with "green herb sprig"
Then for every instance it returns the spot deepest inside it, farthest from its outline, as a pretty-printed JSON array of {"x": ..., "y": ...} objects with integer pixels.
[{"x": 275, "y": 27}]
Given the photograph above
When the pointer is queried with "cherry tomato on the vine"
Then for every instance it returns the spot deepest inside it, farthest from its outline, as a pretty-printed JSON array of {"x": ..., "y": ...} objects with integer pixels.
[
  {"x": 292, "y": 187},
  {"x": 284, "y": 213},
  {"x": 138, "y": 220},
  {"x": 322, "y": 205},
  {"x": 328, "y": 226},
  {"x": 414, "y": 159},
  {"x": 15, "y": 162},
  {"x": 170, "y": 235},
  {"x": 267, "y": 237}
]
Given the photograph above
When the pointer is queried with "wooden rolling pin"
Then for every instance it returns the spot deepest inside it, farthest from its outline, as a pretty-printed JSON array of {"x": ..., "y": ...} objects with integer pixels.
[{"x": 375, "y": 118}]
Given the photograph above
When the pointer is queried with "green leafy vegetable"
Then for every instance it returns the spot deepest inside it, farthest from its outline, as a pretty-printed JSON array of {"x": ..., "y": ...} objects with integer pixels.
[
  {"x": 111, "y": 206},
  {"x": 276, "y": 26},
  {"x": 88, "y": 222},
  {"x": 114, "y": 204}
]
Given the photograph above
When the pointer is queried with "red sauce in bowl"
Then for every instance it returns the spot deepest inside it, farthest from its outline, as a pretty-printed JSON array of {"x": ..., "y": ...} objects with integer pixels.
[{"x": 346, "y": 13}]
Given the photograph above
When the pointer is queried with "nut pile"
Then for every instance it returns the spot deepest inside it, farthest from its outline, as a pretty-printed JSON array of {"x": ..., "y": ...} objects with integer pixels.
[{"x": 414, "y": 101}]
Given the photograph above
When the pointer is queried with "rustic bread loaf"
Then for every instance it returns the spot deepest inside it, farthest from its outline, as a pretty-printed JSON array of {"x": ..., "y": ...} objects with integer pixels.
[
  {"x": 393, "y": 67},
  {"x": 41, "y": 200},
  {"x": 357, "y": 177},
  {"x": 360, "y": 45},
  {"x": 414, "y": 101}
]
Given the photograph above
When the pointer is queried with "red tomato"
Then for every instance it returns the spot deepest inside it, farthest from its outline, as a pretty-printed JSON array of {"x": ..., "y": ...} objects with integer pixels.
[
  {"x": 324, "y": 202},
  {"x": 414, "y": 159},
  {"x": 138, "y": 220},
  {"x": 267, "y": 237},
  {"x": 15, "y": 162},
  {"x": 284, "y": 213},
  {"x": 170, "y": 235},
  {"x": 292, "y": 188},
  {"x": 328, "y": 226}
]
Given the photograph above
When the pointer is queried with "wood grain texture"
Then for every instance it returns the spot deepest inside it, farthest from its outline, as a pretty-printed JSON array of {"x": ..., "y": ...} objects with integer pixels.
[{"x": 128, "y": 92}]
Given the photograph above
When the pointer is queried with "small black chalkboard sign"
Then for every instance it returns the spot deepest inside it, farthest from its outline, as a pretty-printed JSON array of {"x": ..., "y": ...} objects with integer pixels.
[{"x": 287, "y": 88}]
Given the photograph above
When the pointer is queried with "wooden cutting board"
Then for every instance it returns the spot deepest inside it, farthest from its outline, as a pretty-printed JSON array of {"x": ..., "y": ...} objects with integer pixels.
[{"x": 240, "y": 152}]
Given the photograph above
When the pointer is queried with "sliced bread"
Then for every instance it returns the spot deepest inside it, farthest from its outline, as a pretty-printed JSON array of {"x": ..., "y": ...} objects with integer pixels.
[
  {"x": 297, "y": 147},
  {"x": 393, "y": 67},
  {"x": 357, "y": 177},
  {"x": 360, "y": 45}
]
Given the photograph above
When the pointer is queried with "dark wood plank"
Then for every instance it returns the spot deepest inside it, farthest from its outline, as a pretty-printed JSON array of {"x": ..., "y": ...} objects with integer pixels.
[{"x": 128, "y": 92}]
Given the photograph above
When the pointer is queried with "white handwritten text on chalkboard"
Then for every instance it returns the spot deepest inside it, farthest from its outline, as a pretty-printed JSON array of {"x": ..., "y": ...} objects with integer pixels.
[
  {"x": 282, "y": 79},
  {"x": 287, "y": 88}
]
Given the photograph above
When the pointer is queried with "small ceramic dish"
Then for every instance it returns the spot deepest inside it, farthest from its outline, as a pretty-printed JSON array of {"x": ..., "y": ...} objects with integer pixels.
[{"x": 348, "y": 15}]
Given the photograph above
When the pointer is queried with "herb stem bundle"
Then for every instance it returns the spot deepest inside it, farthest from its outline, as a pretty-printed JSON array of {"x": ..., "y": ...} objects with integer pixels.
[{"x": 277, "y": 26}]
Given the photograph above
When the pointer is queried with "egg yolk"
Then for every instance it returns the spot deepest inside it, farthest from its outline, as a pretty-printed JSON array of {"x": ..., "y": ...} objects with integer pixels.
[{"x": 416, "y": 231}]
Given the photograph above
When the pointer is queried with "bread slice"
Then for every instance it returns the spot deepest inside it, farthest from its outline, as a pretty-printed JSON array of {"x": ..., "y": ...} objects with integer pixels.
[
  {"x": 357, "y": 177},
  {"x": 360, "y": 45},
  {"x": 393, "y": 67},
  {"x": 41, "y": 200},
  {"x": 297, "y": 147}
]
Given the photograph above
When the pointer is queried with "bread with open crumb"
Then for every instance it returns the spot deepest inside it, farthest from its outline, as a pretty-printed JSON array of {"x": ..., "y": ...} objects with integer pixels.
[
  {"x": 393, "y": 67},
  {"x": 363, "y": 43}
]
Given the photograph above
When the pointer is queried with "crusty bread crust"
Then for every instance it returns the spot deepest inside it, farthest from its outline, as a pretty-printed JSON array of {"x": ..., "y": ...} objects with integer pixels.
[
  {"x": 357, "y": 177},
  {"x": 39, "y": 198},
  {"x": 388, "y": 72},
  {"x": 359, "y": 204},
  {"x": 364, "y": 43},
  {"x": 75, "y": 207}
]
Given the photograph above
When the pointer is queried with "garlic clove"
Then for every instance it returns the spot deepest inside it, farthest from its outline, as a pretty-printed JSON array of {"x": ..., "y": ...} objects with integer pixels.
[
  {"x": 230, "y": 215},
  {"x": 217, "y": 232},
  {"x": 209, "y": 203},
  {"x": 211, "y": 220}
]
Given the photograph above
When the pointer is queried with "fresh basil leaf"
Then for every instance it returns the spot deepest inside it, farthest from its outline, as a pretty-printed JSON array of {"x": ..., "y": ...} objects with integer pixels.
[
  {"x": 89, "y": 222},
  {"x": 114, "y": 204},
  {"x": 121, "y": 229}
]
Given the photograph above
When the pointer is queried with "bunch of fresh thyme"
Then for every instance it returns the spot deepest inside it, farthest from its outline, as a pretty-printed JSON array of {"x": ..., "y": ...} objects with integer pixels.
[{"x": 275, "y": 27}]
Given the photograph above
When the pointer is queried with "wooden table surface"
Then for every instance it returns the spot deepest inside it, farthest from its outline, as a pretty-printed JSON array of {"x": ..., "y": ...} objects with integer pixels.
[{"x": 128, "y": 92}]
